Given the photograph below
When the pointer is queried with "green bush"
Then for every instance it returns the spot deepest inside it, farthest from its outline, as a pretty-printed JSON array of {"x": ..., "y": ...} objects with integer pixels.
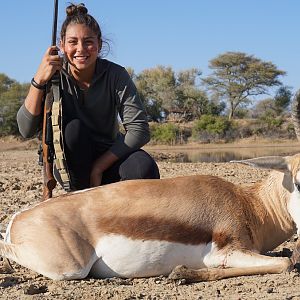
[
  {"x": 210, "y": 128},
  {"x": 167, "y": 133},
  {"x": 271, "y": 122},
  {"x": 12, "y": 95},
  {"x": 212, "y": 124}
]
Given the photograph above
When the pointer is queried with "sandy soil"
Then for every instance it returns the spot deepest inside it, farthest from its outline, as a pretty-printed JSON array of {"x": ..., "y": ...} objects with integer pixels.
[{"x": 20, "y": 186}]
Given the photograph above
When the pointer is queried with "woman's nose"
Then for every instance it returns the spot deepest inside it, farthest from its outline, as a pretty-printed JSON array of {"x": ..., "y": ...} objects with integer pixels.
[{"x": 80, "y": 45}]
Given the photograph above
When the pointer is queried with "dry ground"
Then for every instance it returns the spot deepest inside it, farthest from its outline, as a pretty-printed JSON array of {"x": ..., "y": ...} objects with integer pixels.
[{"x": 20, "y": 186}]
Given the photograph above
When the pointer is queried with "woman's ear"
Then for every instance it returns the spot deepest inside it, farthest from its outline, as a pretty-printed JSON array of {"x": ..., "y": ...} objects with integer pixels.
[
  {"x": 61, "y": 47},
  {"x": 100, "y": 45}
]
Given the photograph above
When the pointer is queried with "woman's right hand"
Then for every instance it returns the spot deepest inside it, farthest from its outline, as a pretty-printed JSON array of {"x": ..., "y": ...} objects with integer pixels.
[{"x": 49, "y": 65}]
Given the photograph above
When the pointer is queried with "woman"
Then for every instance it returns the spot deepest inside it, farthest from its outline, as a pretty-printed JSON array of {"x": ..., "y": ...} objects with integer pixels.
[{"x": 95, "y": 91}]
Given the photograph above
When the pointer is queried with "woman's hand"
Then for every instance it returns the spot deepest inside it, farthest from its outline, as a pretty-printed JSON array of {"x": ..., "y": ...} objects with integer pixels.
[
  {"x": 100, "y": 165},
  {"x": 95, "y": 177},
  {"x": 49, "y": 65}
]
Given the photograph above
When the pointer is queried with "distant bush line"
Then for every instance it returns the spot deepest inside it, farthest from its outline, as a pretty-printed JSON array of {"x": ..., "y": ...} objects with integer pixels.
[{"x": 218, "y": 129}]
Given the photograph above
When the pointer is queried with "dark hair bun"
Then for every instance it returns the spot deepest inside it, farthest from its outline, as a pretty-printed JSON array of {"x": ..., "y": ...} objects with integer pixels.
[{"x": 74, "y": 10}]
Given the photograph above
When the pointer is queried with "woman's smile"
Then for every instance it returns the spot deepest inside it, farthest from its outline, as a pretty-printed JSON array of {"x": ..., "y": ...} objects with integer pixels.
[{"x": 81, "y": 58}]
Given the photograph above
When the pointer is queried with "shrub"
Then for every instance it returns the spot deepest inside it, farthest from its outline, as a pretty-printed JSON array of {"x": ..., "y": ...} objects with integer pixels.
[
  {"x": 164, "y": 133},
  {"x": 210, "y": 127},
  {"x": 272, "y": 123}
]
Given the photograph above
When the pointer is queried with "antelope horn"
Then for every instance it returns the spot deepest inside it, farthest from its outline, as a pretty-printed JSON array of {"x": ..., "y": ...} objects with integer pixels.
[{"x": 296, "y": 113}]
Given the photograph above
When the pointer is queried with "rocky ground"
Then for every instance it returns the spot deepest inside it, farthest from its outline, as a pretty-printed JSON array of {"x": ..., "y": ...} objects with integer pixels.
[{"x": 20, "y": 186}]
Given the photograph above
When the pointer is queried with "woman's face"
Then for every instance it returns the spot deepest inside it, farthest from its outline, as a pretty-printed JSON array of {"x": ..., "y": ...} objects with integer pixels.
[{"x": 80, "y": 46}]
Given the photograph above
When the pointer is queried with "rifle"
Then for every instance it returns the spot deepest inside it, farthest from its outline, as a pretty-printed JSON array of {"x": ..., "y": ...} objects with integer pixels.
[{"x": 47, "y": 138}]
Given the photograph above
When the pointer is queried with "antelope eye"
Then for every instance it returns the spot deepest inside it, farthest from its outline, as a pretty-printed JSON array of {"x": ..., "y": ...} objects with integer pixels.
[{"x": 297, "y": 185}]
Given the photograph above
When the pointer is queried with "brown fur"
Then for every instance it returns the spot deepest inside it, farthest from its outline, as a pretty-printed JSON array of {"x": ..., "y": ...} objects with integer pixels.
[{"x": 175, "y": 211}]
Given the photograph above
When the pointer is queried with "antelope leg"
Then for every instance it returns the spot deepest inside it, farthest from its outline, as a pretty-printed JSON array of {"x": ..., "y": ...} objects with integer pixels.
[{"x": 238, "y": 263}]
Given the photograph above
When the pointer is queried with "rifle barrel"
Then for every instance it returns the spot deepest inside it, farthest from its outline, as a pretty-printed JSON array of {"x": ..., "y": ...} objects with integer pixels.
[
  {"x": 47, "y": 141},
  {"x": 54, "y": 28}
]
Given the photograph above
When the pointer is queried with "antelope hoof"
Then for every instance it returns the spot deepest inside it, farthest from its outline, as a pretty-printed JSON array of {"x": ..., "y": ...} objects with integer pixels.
[
  {"x": 6, "y": 267},
  {"x": 296, "y": 256},
  {"x": 178, "y": 272}
]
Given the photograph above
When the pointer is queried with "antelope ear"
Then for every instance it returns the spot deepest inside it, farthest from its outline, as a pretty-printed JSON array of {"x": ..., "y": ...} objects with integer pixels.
[{"x": 278, "y": 163}]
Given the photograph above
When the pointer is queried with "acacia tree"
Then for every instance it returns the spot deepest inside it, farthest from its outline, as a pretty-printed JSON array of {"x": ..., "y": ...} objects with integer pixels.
[{"x": 237, "y": 76}]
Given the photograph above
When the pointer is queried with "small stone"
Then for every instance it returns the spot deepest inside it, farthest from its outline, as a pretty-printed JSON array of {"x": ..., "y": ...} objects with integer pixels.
[
  {"x": 33, "y": 290},
  {"x": 181, "y": 282}
]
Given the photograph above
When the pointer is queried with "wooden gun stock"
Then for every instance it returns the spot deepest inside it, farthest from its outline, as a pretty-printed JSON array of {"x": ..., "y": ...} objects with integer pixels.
[{"x": 49, "y": 180}]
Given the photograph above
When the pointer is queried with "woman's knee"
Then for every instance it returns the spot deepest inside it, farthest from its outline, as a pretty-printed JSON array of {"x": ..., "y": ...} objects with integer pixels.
[
  {"x": 139, "y": 165},
  {"x": 75, "y": 134},
  {"x": 78, "y": 151}
]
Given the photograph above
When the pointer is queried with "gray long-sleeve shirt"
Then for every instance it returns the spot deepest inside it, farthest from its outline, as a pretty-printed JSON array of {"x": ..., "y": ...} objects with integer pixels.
[{"x": 111, "y": 92}]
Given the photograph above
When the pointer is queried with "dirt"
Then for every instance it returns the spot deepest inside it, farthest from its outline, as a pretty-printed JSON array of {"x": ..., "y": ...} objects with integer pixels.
[{"x": 20, "y": 186}]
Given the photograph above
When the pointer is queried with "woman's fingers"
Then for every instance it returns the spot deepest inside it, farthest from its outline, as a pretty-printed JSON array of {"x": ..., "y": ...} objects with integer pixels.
[
  {"x": 50, "y": 63},
  {"x": 53, "y": 50}
]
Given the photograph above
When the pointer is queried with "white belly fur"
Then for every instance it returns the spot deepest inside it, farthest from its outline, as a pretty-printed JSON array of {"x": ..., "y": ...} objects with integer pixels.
[
  {"x": 7, "y": 232},
  {"x": 120, "y": 256}
]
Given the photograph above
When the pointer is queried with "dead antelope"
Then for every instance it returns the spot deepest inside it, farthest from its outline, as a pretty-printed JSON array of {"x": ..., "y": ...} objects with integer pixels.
[{"x": 143, "y": 228}]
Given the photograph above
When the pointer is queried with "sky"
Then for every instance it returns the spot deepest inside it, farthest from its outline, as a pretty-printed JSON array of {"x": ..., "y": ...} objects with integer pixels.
[{"x": 145, "y": 34}]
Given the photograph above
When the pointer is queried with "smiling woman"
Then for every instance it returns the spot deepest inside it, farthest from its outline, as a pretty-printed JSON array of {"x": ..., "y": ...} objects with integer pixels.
[
  {"x": 81, "y": 44},
  {"x": 94, "y": 92}
]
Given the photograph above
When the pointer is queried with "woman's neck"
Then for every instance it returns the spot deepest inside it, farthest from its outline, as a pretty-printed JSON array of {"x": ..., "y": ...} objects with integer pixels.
[{"x": 83, "y": 77}]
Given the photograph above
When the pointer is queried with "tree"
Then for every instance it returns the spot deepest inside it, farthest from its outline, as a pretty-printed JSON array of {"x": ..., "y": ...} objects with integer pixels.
[
  {"x": 165, "y": 92},
  {"x": 12, "y": 94},
  {"x": 5, "y": 83},
  {"x": 274, "y": 106},
  {"x": 192, "y": 101},
  {"x": 237, "y": 76},
  {"x": 282, "y": 98},
  {"x": 157, "y": 90},
  {"x": 131, "y": 72},
  {"x": 264, "y": 107}
]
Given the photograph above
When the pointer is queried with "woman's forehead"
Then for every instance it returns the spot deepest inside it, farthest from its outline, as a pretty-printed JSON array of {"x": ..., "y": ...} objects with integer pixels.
[{"x": 76, "y": 30}]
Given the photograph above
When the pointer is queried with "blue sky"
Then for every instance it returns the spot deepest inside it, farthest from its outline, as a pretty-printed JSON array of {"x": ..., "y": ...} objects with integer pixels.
[{"x": 144, "y": 34}]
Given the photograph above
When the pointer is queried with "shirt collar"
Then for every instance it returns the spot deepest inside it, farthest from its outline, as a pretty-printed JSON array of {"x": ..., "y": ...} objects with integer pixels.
[{"x": 101, "y": 67}]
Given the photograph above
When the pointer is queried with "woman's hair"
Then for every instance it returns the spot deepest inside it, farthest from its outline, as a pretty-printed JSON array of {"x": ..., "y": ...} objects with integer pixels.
[{"x": 78, "y": 14}]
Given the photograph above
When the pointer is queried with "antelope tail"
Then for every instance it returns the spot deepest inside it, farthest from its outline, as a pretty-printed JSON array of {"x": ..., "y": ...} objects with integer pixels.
[{"x": 8, "y": 251}]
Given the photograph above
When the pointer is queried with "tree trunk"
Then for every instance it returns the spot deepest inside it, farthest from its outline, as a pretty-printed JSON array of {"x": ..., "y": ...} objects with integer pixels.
[{"x": 230, "y": 116}]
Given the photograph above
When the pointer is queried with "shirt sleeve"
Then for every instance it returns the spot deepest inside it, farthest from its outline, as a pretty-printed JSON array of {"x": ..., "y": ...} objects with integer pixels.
[
  {"x": 28, "y": 124},
  {"x": 133, "y": 118}
]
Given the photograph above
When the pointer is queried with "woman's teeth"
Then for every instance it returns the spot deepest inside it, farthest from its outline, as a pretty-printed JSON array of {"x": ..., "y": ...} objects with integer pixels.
[{"x": 80, "y": 57}]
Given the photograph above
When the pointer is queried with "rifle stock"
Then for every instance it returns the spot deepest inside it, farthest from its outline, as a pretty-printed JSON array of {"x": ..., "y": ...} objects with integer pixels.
[{"x": 49, "y": 180}]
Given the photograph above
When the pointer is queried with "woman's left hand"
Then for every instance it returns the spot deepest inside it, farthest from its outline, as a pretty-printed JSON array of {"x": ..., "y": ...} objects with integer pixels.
[
  {"x": 95, "y": 178},
  {"x": 100, "y": 165}
]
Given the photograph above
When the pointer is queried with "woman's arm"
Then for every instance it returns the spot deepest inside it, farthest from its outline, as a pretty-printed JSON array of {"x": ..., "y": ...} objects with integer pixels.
[
  {"x": 133, "y": 117},
  {"x": 29, "y": 113},
  {"x": 135, "y": 123}
]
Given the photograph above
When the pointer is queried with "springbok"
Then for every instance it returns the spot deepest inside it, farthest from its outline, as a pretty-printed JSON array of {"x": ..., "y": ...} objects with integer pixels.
[{"x": 144, "y": 228}]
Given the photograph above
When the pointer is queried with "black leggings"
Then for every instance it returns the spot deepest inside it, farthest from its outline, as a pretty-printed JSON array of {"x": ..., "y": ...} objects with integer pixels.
[{"x": 81, "y": 152}]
